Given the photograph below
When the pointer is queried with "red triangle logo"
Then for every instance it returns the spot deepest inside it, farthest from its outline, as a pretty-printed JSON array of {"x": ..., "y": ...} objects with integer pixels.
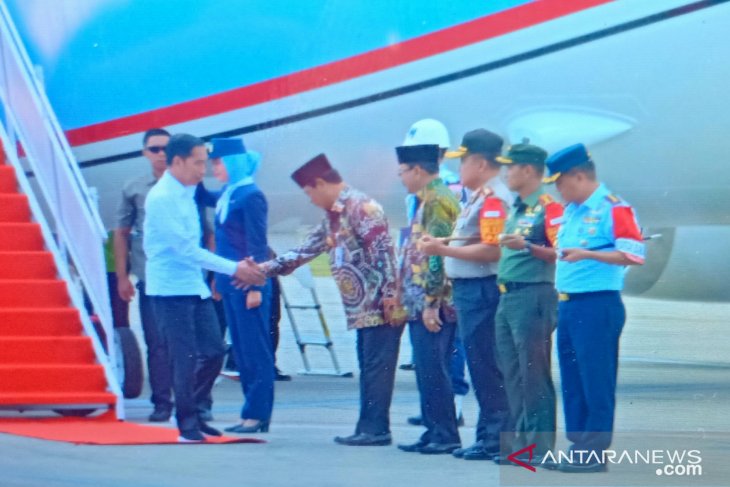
[{"x": 513, "y": 457}]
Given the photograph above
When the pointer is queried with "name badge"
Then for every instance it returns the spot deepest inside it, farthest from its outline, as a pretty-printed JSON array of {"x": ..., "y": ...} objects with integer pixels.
[{"x": 557, "y": 221}]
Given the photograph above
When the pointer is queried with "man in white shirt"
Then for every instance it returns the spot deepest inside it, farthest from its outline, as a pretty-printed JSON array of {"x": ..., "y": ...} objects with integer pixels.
[
  {"x": 180, "y": 296},
  {"x": 129, "y": 259}
]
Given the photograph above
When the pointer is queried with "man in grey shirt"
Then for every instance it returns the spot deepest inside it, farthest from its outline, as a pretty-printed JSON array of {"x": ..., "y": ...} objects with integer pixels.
[
  {"x": 130, "y": 259},
  {"x": 471, "y": 261}
]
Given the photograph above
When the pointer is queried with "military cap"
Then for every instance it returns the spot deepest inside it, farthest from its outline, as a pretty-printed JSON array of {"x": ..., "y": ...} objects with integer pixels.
[
  {"x": 564, "y": 160},
  {"x": 524, "y": 154},
  {"x": 479, "y": 141}
]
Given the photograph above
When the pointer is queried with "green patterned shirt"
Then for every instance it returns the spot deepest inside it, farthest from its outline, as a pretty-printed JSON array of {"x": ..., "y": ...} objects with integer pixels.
[{"x": 423, "y": 277}]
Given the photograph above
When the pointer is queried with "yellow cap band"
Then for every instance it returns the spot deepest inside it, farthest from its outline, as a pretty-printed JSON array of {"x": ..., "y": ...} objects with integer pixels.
[
  {"x": 456, "y": 153},
  {"x": 552, "y": 178}
]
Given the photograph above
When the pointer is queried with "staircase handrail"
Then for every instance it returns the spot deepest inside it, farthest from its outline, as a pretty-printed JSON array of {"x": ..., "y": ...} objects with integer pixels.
[{"x": 79, "y": 231}]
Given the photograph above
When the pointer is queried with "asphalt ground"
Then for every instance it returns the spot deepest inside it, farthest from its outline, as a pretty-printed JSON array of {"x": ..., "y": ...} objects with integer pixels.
[{"x": 674, "y": 379}]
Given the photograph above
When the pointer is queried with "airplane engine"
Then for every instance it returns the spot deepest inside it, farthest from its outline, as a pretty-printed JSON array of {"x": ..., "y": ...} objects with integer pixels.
[{"x": 687, "y": 263}]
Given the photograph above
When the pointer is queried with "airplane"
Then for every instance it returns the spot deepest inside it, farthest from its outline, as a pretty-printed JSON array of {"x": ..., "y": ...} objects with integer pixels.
[{"x": 642, "y": 83}]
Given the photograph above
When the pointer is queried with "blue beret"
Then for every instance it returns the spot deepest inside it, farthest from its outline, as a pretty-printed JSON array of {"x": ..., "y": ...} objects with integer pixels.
[
  {"x": 226, "y": 147},
  {"x": 565, "y": 160}
]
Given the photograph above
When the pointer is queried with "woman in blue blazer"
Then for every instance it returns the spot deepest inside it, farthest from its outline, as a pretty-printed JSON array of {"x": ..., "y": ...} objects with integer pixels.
[{"x": 240, "y": 233}]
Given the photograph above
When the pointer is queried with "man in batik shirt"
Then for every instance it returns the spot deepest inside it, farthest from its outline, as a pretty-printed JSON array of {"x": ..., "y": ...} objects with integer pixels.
[
  {"x": 355, "y": 235},
  {"x": 426, "y": 296}
]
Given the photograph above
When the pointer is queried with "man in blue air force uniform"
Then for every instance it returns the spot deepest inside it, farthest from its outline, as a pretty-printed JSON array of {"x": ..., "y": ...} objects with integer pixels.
[{"x": 598, "y": 238}]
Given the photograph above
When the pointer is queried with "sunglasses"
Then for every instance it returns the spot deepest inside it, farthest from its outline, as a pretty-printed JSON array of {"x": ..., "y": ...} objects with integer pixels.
[{"x": 156, "y": 149}]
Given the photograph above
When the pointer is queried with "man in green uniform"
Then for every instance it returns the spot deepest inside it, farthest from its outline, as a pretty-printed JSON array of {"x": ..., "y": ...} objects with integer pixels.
[{"x": 526, "y": 315}]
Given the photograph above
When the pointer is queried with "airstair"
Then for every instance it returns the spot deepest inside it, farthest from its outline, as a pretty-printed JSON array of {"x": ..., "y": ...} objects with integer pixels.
[{"x": 51, "y": 258}]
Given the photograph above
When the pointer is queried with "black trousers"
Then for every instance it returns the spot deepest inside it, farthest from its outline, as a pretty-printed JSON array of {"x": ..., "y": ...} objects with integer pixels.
[
  {"x": 476, "y": 303},
  {"x": 159, "y": 368},
  {"x": 432, "y": 354},
  {"x": 196, "y": 349},
  {"x": 377, "y": 356},
  {"x": 120, "y": 308}
]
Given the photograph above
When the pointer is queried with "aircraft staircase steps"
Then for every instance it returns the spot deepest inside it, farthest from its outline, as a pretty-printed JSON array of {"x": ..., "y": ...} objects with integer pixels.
[{"x": 46, "y": 361}]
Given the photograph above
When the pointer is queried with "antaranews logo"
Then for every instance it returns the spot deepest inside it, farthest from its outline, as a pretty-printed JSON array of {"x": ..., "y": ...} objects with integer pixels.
[
  {"x": 668, "y": 462},
  {"x": 514, "y": 457}
]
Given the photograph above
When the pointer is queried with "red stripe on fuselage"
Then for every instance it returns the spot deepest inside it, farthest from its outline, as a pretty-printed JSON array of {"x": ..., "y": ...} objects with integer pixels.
[{"x": 370, "y": 62}]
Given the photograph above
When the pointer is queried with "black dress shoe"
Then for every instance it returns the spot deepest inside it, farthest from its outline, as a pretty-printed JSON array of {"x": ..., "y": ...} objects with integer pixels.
[
  {"x": 418, "y": 420},
  {"x": 208, "y": 429},
  {"x": 500, "y": 459},
  {"x": 205, "y": 415},
  {"x": 261, "y": 427},
  {"x": 440, "y": 448},
  {"x": 364, "y": 439},
  {"x": 459, "y": 452},
  {"x": 413, "y": 447},
  {"x": 592, "y": 467},
  {"x": 537, "y": 461},
  {"x": 479, "y": 453},
  {"x": 415, "y": 420},
  {"x": 280, "y": 376},
  {"x": 192, "y": 436},
  {"x": 160, "y": 415}
]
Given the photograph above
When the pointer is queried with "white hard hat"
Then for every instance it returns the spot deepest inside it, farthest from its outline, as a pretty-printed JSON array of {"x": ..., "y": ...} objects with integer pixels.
[{"x": 428, "y": 131}]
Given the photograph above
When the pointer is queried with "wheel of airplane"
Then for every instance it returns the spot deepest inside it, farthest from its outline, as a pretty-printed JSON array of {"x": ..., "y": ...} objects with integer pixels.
[{"x": 130, "y": 372}]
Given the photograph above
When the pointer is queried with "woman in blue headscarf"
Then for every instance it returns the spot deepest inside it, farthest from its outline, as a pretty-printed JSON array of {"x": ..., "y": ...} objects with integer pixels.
[{"x": 240, "y": 232}]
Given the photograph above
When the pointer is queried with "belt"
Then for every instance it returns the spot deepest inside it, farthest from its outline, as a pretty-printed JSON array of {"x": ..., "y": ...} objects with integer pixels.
[
  {"x": 485, "y": 278},
  {"x": 578, "y": 296},
  {"x": 509, "y": 287}
]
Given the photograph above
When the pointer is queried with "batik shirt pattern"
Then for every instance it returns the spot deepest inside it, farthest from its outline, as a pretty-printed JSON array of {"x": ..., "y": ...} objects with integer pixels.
[
  {"x": 423, "y": 278},
  {"x": 355, "y": 236}
]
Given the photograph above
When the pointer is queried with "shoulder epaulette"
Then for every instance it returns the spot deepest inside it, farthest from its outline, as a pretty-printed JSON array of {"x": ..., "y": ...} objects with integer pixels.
[
  {"x": 614, "y": 200},
  {"x": 546, "y": 199}
]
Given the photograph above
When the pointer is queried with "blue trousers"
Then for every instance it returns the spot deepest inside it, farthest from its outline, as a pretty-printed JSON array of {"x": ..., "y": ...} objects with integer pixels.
[
  {"x": 476, "y": 303},
  {"x": 432, "y": 353},
  {"x": 253, "y": 350},
  {"x": 589, "y": 327},
  {"x": 457, "y": 368}
]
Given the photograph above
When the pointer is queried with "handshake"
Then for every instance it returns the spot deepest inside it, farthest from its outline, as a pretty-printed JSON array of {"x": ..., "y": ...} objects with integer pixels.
[{"x": 249, "y": 273}]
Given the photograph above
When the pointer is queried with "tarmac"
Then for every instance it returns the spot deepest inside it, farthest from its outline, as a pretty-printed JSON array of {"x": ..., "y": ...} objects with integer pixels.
[{"x": 674, "y": 380}]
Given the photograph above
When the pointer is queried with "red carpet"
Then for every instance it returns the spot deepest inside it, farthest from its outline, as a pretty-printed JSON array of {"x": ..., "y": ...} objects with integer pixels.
[
  {"x": 45, "y": 359},
  {"x": 103, "y": 430}
]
